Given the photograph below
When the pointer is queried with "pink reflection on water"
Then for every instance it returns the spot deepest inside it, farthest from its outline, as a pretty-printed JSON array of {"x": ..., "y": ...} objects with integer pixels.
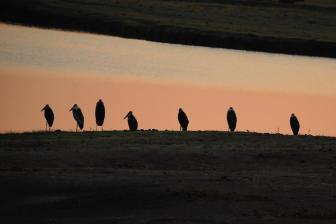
[{"x": 25, "y": 91}]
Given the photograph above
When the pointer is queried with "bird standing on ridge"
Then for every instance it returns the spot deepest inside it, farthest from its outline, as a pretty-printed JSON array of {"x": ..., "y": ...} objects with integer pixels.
[
  {"x": 78, "y": 116},
  {"x": 49, "y": 116},
  {"x": 231, "y": 119},
  {"x": 295, "y": 125},
  {"x": 100, "y": 113},
  {"x": 132, "y": 121},
  {"x": 183, "y": 120}
]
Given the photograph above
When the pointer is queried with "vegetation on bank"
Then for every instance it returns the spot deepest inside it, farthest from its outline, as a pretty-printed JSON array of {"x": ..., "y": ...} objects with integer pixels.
[
  {"x": 306, "y": 28},
  {"x": 20, "y": 150}
]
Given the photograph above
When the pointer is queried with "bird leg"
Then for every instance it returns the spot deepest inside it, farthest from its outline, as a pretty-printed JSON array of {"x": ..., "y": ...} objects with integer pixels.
[
  {"x": 102, "y": 128},
  {"x": 76, "y": 127},
  {"x": 46, "y": 126}
]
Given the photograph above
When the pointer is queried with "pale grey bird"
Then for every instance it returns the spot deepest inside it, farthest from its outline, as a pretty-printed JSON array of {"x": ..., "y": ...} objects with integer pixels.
[{"x": 78, "y": 116}]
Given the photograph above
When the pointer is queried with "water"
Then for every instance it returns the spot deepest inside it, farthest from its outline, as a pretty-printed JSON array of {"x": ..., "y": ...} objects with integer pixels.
[{"x": 40, "y": 66}]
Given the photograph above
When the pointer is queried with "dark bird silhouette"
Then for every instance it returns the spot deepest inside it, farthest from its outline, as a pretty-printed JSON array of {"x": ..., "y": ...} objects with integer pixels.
[
  {"x": 49, "y": 116},
  {"x": 78, "y": 116},
  {"x": 100, "y": 113},
  {"x": 132, "y": 121},
  {"x": 183, "y": 120},
  {"x": 295, "y": 125},
  {"x": 231, "y": 119}
]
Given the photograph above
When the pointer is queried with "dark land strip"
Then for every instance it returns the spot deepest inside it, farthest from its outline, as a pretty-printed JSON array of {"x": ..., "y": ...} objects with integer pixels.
[
  {"x": 167, "y": 177},
  {"x": 253, "y": 25}
]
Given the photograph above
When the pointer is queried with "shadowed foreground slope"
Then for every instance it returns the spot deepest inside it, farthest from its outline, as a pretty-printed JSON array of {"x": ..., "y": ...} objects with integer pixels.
[
  {"x": 167, "y": 177},
  {"x": 303, "y": 28}
]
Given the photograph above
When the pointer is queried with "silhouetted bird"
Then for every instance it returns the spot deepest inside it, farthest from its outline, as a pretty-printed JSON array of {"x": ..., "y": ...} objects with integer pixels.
[
  {"x": 183, "y": 120},
  {"x": 100, "y": 113},
  {"x": 78, "y": 116},
  {"x": 231, "y": 119},
  {"x": 132, "y": 121},
  {"x": 294, "y": 123},
  {"x": 49, "y": 116}
]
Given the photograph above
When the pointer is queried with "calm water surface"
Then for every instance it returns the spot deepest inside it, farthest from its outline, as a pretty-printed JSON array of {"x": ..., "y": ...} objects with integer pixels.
[{"x": 153, "y": 80}]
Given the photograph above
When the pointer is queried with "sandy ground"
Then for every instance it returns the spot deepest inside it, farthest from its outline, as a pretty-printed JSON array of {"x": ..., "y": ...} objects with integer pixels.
[{"x": 167, "y": 177}]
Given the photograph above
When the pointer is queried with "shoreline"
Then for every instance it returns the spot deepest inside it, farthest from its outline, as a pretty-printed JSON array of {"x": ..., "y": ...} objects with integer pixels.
[
  {"x": 156, "y": 30},
  {"x": 151, "y": 132}
]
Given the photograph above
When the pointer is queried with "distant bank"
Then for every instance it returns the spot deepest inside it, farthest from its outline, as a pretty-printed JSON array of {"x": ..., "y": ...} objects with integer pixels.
[{"x": 301, "y": 29}]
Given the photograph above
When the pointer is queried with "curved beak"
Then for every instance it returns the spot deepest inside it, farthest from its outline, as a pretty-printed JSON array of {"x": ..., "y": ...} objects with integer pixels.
[
  {"x": 43, "y": 108},
  {"x": 71, "y": 109}
]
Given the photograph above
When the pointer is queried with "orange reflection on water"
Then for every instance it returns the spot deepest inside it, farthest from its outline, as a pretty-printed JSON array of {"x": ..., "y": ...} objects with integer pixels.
[{"x": 25, "y": 91}]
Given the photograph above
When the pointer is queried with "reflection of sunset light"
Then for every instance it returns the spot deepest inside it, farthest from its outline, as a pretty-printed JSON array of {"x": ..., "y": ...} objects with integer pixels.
[
  {"x": 155, "y": 105},
  {"x": 153, "y": 80}
]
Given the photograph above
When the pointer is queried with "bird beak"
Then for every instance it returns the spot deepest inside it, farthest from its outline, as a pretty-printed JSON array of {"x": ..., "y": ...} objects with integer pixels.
[
  {"x": 126, "y": 116},
  {"x": 43, "y": 108},
  {"x": 71, "y": 109}
]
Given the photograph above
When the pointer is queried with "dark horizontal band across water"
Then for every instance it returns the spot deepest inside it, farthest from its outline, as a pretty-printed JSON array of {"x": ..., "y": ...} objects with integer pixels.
[{"x": 43, "y": 15}]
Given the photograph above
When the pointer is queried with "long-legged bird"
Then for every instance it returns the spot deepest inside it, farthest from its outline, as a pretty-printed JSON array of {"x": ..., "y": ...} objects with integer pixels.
[
  {"x": 100, "y": 113},
  {"x": 132, "y": 121},
  {"x": 295, "y": 125},
  {"x": 231, "y": 119},
  {"x": 183, "y": 120},
  {"x": 49, "y": 116},
  {"x": 78, "y": 116}
]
